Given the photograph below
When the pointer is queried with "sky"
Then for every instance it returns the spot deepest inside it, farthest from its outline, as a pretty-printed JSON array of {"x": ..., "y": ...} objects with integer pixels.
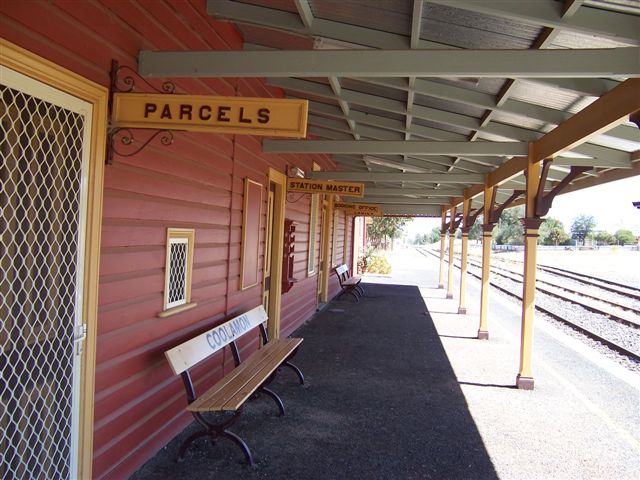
[{"x": 609, "y": 203}]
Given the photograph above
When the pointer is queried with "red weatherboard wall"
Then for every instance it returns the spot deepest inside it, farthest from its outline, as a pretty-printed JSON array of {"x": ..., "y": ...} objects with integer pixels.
[{"x": 195, "y": 183}]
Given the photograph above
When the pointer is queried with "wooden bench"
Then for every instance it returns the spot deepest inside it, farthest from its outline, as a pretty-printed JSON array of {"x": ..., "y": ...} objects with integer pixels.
[
  {"x": 249, "y": 377},
  {"x": 348, "y": 283}
]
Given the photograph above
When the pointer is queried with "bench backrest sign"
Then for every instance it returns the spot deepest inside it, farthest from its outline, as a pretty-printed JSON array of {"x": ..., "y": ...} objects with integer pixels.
[
  {"x": 188, "y": 354},
  {"x": 347, "y": 189},
  {"x": 274, "y": 117}
]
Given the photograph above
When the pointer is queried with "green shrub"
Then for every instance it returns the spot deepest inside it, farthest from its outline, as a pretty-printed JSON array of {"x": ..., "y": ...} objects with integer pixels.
[
  {"x": 364, "y": 260},
  {"x": 379, "y": 264}
]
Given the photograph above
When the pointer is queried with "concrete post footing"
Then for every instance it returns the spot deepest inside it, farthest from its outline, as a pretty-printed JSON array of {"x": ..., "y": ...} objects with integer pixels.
[
  {"x": 524, "y": 383},
  {"x": 483, "y": 335}
]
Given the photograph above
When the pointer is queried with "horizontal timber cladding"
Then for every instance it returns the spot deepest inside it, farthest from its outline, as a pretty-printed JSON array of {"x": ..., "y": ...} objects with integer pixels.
[{"x": 197, "y": 182}]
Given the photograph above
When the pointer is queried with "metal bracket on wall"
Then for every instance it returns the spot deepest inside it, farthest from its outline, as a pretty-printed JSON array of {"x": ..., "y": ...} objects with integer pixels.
[{"x": 123, "y": 80}]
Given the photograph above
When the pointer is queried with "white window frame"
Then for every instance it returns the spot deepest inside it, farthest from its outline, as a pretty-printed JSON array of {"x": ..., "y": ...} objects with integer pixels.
[{"x": 176, "y": 236}]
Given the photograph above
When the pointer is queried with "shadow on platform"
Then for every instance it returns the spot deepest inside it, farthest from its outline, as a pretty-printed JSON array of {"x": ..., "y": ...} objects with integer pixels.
[{"x": 381, "y": 401}]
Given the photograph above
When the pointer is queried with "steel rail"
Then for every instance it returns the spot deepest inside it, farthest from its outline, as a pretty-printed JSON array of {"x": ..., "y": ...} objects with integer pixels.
[
  {"x": 584, "y": 275},
  {"x": 581, "y": 278},
  {"x": 592, "y": 308},
  {"x": 612, "y": 345}
]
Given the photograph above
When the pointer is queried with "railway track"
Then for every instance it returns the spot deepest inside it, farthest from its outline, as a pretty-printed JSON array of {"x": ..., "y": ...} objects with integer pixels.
[
  {"x": 602, "y": 283},
  {"x": 586, "y": 300},
  {"x": 579, "y": 328}
]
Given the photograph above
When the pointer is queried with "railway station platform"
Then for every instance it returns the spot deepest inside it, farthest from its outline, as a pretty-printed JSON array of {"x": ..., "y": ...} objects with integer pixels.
[{"x": 398, "y": 387}]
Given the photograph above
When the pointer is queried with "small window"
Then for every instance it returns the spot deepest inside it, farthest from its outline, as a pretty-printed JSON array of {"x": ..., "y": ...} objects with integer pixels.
[{"x": 177, "y": 289}]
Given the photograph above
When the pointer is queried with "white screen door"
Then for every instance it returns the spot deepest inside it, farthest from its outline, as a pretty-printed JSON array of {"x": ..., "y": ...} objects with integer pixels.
[{"x": 44, "y": 140}]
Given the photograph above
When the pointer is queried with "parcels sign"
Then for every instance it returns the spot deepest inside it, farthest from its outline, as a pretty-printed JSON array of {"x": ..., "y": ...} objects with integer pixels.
[
  {"x": 360, "y": 209},
  {"x": 274, "y": 117},
  {"x": 348, "y": 189}
]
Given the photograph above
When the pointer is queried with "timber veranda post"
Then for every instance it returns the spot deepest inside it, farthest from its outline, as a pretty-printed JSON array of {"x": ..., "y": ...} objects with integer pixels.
[
  {"x": 466, "y": 207},
  {"x": 452, "y": 237},
  {"x": 524, "y": 380},
  {"x": 443, "y": 237},
  {"x": 487, "y": 230}
]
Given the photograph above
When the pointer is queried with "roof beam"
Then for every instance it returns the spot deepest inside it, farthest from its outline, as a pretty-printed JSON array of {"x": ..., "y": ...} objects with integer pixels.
[
  {"x": 467, "y": 178},
  {"x": 413, "y": 147},
  {"x": 337, "y": 89},
  {"x": 304, "y": 10},
  {"x": 602, "y": 156},
  {"x": 553, "y": 117},
  {"x": 613, "y": 108},
  {"x": 388, "y": 63},
  {"x": 290, "y": 22},
  {"x": 416, "y": 28},
  {"x": 422, "y": 192},
  {"x": 412, "y": 210},
  {"x": 399, "y": 201},
  {"x": 549, "y": 13},
  {"x": 544, "y": 40},
  {"x": 475, "y": 98},
  {"x": 380, "y": 103}
]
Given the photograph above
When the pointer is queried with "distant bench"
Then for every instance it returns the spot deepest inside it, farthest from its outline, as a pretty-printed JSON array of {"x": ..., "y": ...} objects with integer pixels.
[
  {"x": 348, "y": 283},
  {"x": 248, "y": 377}
]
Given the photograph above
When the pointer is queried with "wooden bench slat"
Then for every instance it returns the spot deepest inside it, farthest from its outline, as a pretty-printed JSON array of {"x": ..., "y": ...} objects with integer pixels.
[
  {"x": 240, "y": 397},
  {"x": 234, "y": 380},
  {"x": 233, "y": 390},
  {"x": 258, "y": 368}
]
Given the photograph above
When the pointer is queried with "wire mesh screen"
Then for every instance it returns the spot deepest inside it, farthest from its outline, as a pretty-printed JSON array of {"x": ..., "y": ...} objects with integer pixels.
[
  {"x": 40, "y": 175},
  {"x": 177, "y": 272}
]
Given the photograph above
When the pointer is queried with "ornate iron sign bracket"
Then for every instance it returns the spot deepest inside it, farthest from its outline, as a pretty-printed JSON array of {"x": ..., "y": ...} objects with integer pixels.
[{"x": 122, "y": 141}]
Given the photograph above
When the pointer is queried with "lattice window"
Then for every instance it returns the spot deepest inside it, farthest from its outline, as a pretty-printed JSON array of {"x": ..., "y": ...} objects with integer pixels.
[{"x": 177, "y": 290}]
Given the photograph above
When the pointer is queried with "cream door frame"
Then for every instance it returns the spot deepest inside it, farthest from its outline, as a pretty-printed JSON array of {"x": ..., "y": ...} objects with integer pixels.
[
  {"x": 277, "y": 244},
  {"x": 44, "y": 71}
]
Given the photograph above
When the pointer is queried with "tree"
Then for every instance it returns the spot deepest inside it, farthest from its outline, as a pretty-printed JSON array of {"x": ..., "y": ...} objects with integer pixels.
[
  {"x": 509, "y": 230},
  {"x": 383, "y": 228},
  {"x": 604, "y": 238},
  {"x": 625, "y": 237},
  {"x": 421, "y": 239},
  {"x": 434, "y": 236},
  {"x": 476, "y": 232},
  {"x": 552, "y": 232},
  {"x": 582, "y": 226}
]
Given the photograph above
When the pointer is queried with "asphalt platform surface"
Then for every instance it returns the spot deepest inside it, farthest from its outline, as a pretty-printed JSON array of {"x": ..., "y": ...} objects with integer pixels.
[
  {"x": 380, "y": 401},
  {"x": 397, "y": 388}
]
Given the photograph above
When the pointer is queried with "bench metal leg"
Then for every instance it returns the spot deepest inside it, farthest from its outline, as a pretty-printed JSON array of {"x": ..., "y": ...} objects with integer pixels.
[
  {"x": 360, "y": 289},
  {"x": 295, "y": 369},
  {"x": 355, "y": 294},
  {"x": 215, "y": 431},
  {"x": 243, "y": 446},
  {"x": 275, "y": 397}
]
